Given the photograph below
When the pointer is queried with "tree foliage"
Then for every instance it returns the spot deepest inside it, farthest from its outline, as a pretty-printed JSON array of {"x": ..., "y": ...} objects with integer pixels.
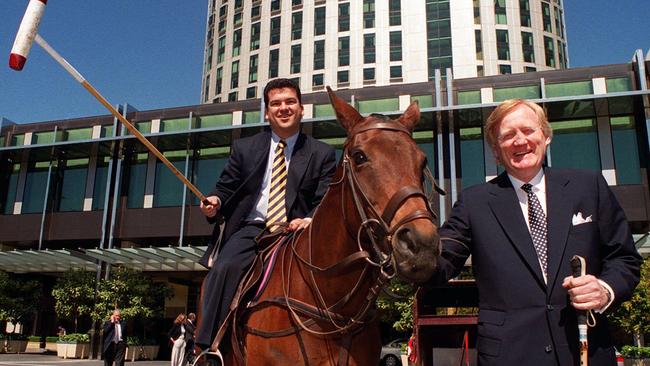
[
  {"x": 397, "y": 306},
  {"x": 20, "y": 298},
  {"x": 131, "y": 292},
  {"x": 74, "y": 295},
  {"x": 632, "y": 316}
]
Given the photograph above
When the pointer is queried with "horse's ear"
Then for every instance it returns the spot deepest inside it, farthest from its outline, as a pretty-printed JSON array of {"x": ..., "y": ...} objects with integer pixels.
[
  {"x": 411, "y": 116},
  {"x": 345, "y": 113}
]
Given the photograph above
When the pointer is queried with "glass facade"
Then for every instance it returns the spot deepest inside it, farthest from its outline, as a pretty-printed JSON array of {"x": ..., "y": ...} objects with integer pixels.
[
  {"x": 296, "y": 25},
  {"x": 35, "y": 187},
  {"x": 344, "y": 17},
  {"x": 136, "y": 178},
  {"x": 439, "y": 54},
  {"x": 319, "y": 55},
  {"x": 500, "y": 15},
  {"x": 8, "y": 192},
  {"x": 503, "y": 44},
  {"x": 296, "y": 51},
  {"x": 394, "y": 12},
  {"x": 72, "y": 185},
  {"x": 575, "y": 144}
]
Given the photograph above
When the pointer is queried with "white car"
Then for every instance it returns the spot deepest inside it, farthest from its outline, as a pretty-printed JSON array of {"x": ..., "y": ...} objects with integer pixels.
[{"x": 391, "y": 353}]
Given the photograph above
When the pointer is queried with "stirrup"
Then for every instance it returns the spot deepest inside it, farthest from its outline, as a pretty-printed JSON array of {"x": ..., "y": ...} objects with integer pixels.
[{"x": 207, "y": 352}]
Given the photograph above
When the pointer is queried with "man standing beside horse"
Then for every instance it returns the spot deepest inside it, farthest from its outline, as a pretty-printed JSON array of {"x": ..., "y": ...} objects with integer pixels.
[
  {"x": 522, "y": 229},
  {"x": 276, "y": 176}
]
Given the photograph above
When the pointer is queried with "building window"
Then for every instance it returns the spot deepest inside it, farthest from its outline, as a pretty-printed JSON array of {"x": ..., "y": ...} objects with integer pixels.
[
  {"x": 396, "y": 46},
  {"x": 527, "y": 46},
  {"x": 319, "y": 55},
  {"x": 575, "y": 144},
  {"x": 237, "y": 19},
  {"x": 238, "y": 3},
  {"x": 251, "y": 92},
  {"x": 344, "y": 17},
  {"x": 530, "y": 69},
  {"x": 223, "y": 11},
  {"x": 479, "y": 44},
  {"x": 274, "y": 59},
  {"x": 222, "y": 25},
  {"x": 296, "y": 2},
  {"x": 221, "y": 49},
  {"x": 560, "y": 54},
  {"x": 275, "y": 31},
  {"x": 206, "y": 92},
  {"x": 368, "y": 48},
  {"x": 295, "y": 58},
  {"x": 479, "y": 71},
  {"x": 252, "y": 69},
  {"x": 232, "y": 97},
  {"x": 368, "y": 13},
  {"x": 236, "y": 42},
  {"x": 503, "y": 46},
  {"x": 505, "y": 69},
  {"x": 219, "y": 81},
  {"x": 369, "y": 74},
  {"x": 394, "y": 12},
  {"x": 546, "y": 17},
  {"x": 319, "y": 21},
  {"x": 255, "y": 12},
  {"x": 477, "y": 11},
  {"x": 396, "y": 72},
  {"x": 317, "y": 80},
  {"x": 549, "y": 52},
  {"x": 626, "y": 150},
  {"x": 296, "y": 25},
  {"x": 275, "y": 5},
  {"x": 10, "y": 188},
  {"x": 167, "y": 188},
  {"x": 500, "y": 12},
  {"x": 69, "y": 195},
  {"x": 208, "y": 59},
  {"x": 558, "y": 19},
  {"x": 344, "y": 51},
  {"x": 255, "y": 36},
  {"x": 439, "y": 54},
  {"x": 343, "y": 77},
  {"x": 524, "y": 13},
  {"x": 472, "y": 158},
  {"x": 234, "y": 75},
  {"x": 137, "y": 176}
]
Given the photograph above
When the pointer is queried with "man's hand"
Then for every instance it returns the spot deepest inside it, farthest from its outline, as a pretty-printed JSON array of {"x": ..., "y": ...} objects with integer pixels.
[
  {"x": 585, "y": 292},
  {"x": 211, "y": 209},
  {"x": 298, "y": 224}
]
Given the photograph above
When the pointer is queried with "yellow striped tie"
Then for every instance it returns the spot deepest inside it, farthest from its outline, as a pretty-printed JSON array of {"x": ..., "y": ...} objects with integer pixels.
[{"x": 276, "y": 211}]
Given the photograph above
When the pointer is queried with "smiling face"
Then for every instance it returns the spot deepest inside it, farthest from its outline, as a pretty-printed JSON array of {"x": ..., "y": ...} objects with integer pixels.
[
  {"x": 521, "y": 143},
  {"x": 284, "y": 111}
]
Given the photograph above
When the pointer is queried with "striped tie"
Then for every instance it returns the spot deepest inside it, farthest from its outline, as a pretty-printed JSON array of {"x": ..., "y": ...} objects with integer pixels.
[{"x": 276, "y": 211}]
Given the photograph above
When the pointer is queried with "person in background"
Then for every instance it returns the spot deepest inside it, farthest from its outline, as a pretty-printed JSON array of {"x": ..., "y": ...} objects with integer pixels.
[
  {"x": 177, "y": 338},
  {"x": 114, "y": 349},
  {"x": 522, "y": 228},
  {"x": 190, "y": 328}
]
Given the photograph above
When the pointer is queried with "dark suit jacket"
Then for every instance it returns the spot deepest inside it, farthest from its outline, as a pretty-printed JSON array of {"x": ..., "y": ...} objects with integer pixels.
[
  {"x": 109, "y": 333},
  {"x": 310, "y": 170},
  {"x": 175, "y": 331},
  {"x": 522, "y": 320}
]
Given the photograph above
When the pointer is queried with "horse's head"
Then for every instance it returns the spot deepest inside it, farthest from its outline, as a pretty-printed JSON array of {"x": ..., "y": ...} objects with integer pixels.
[{"x": 385, "y": 169}]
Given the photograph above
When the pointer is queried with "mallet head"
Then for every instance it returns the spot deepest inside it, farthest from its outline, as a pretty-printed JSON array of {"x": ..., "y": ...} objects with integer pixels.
[{"x": 26, "y": 33}]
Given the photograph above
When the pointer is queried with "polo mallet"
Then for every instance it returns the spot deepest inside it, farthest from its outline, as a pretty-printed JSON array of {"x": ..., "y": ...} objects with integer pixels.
[
  {"x": 579, "y": 268},
  {"x": 28, "y": 33}
]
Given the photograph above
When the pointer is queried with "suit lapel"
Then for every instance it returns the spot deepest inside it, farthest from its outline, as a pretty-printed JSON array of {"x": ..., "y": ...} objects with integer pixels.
[
  {"x": 558, "y": 208},
  {"x": 505, "y": 206},
  {"x": 297, "y": 167},
  {"x": 260, "y": 152}
]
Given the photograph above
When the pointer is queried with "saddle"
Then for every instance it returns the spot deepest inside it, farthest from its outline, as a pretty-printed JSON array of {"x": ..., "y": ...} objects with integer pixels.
[{"x": 251, "y": 287}]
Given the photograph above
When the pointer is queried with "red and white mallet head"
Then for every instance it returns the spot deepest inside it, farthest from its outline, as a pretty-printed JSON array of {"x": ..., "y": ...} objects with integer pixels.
[{"x": 26, "y": 33}]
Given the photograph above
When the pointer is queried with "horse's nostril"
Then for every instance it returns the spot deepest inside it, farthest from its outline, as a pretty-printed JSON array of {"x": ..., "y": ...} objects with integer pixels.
[{"x": 405, "y": 237}]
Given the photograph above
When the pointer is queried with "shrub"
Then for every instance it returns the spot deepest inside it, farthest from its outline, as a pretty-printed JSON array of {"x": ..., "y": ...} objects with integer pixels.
[
  {"x": 635, "y": 352},
  {"x": 34, "y": 338},
  {"x": 52, "y": 339},
  {"x": 74, "y": 338}
]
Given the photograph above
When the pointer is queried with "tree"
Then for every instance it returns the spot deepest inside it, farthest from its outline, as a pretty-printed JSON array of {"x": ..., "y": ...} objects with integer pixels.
[
  {"x": 20, "y": 298},
  {"x": 397, "y": 308},
  {"x": 74, "y": 295},
  {"x": 632, "y": 316},
  {"x": 131, "y": 292}
]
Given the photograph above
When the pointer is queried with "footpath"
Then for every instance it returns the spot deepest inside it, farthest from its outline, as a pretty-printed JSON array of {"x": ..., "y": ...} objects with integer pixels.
[{"x": 45, "y": 359}]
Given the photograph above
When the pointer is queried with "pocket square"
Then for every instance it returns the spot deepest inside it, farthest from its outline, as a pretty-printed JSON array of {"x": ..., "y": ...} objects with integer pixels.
[{"x": 579, "y": 220}]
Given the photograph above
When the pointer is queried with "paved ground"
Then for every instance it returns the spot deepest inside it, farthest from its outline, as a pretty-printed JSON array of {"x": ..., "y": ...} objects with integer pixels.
[{"x": 38, "y": 359}]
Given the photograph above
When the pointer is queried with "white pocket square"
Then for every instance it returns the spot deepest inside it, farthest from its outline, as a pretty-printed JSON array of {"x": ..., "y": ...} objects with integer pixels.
[{"x": 579, "y": 220}]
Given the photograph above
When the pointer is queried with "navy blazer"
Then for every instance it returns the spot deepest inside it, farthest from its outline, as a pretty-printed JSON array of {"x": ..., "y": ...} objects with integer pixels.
[
  {"x": 312, "y": 165},
  {"x": 522, "y": 320},
  {"x": 109, "y": 333}
]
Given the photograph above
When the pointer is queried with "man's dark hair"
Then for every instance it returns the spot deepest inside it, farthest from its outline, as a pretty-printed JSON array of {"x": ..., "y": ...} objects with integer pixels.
[{"x": 279, "y": 84}]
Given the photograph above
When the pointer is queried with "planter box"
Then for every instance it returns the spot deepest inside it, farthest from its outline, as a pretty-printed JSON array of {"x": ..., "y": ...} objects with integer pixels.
[
  {"x": 73, "y": 350},
  {"x": 14, "y": 346},
  {"x": 134, "y": 353},
  {"x": 637, "y": 362}
]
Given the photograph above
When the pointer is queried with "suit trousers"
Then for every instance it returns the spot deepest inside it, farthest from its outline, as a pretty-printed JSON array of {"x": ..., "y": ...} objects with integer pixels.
[
  {"x": 220, "y": 284},
  {"x": 115, "y": 353}
]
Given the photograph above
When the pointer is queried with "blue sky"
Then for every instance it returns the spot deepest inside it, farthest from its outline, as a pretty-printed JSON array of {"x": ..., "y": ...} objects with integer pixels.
[{"x": 149, "y": 53}]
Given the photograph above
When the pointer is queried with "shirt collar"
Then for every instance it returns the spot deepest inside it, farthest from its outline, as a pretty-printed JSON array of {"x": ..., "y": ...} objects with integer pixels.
[
  {"x": 538, "y": 182},
  {"x": 291, "y": 140}
]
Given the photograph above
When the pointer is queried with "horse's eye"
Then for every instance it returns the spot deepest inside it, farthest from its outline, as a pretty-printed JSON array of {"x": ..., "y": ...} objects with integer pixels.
[{"x": 359, "y": 157}]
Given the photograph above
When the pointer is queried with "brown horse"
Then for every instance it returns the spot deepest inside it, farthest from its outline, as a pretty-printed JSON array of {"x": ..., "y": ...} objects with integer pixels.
[{"x": 374, "y": 222}]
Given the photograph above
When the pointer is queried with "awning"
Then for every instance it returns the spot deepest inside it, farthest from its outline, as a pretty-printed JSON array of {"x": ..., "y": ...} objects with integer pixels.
[
  {"x": 59, "y": 260},
  {"x": 152, "y": 258}
]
